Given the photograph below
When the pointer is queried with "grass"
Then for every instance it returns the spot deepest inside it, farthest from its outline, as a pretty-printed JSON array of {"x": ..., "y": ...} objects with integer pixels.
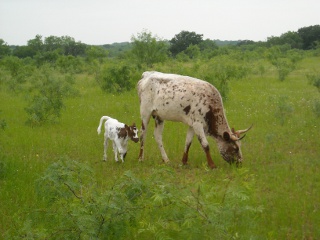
[{"x": 281, "y": 155}]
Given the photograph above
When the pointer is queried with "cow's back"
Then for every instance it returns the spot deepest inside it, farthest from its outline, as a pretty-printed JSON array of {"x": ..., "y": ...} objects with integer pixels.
[{"x": 178, "y": 98}]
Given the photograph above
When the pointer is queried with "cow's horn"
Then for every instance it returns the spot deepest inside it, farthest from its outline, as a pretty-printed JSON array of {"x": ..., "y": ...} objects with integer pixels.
[{"x": 244, "y": 131}]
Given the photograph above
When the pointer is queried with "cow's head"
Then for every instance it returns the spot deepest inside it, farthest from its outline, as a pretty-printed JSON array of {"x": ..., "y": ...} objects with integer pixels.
[
  {"x": 230, "y": 145},
  {"x": 133, "y": 132}
]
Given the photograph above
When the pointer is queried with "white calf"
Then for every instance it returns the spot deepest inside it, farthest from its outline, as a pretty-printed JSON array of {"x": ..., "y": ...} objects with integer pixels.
[{"x": 119, "y": 133}]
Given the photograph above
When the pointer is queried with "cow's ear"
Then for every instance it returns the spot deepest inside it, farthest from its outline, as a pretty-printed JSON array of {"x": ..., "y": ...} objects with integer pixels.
[{"x": 226, "y": 136}]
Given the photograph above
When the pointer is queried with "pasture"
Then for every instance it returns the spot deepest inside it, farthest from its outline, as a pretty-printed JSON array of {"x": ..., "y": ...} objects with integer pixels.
[{"x": 54, "y": 184}]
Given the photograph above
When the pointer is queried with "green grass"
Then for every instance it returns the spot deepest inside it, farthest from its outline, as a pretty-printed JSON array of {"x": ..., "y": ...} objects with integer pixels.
[{"x": 282, "y": 156}]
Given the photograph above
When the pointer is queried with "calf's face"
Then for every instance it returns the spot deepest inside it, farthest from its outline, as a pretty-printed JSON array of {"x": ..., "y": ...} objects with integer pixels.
[{"x": 133, "y": 132}]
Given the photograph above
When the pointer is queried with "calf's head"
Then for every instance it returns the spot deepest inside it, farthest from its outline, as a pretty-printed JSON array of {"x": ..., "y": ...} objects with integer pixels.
[
  {"x": 132, "y": 132},
  {"x": 230, "y": 146}
]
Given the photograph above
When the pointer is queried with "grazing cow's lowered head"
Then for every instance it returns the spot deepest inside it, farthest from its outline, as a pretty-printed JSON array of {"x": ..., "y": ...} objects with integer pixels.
[
  {"x": 119, "y": 133},
  {"x": 230, "y": 145},
  {"x": 192, "y": 101}
]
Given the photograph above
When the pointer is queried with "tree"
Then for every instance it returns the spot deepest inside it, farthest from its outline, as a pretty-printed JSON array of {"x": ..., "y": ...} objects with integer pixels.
[
  {"x": 4, "y": 49},
  {"x": 96, "y": 53},
  {"x": 23, "y": 52},
  {"x": 309, "y": 36},
  {"x": 291, "y": 38},
  {"x": 52, "y": 43},
  {"x": 148, "y": 49},
  {"x": 183, "y": 40},
  {"x": 36, "y": 44},
  {"x": 193, "y": 51}
]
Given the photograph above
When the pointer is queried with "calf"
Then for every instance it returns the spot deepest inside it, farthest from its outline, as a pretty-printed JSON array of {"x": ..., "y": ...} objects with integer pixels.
[{"x": 119, "y": 133}]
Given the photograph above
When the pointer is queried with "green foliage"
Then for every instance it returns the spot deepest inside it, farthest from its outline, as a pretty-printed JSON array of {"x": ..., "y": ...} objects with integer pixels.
[
  {"x": 148, "y": 50},
  {"x": 46, "y": 96},
  {"x": 69, "y": 64},
  {"x": 138, "y": 208},
  {"x": 284, "y": 59},
  {"x": 183, "y": 40},
  {"x": 314, "y": 79},
  {"x": 193, "y": 51},
  {"x": 222, "y": 70},
  {"x": 12, "y": 64},
  {"x": 309, "y": 36},
  {"x": 16, "y": 72},
  {"x": 117, "y": 78},
  {"x": 316, "y": 108},
  {"x": 291, "y": 38},
  {"x": 95, "y": 53},
  {"x": 3, "y": 123},
  {"x": 4, "y": 49}
]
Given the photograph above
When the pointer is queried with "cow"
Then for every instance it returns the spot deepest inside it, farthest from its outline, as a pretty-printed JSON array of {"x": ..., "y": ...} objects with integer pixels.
[
  {"x": 193, "y": 102},
  {"x": 119, "y": 133}
]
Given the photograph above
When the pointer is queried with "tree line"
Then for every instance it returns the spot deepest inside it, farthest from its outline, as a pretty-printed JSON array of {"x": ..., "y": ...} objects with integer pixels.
[{"x": 49, "y": 48}]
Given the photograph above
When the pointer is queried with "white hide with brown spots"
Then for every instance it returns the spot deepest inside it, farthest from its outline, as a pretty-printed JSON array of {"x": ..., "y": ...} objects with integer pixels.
[
  {"x": 194, "y": 102},
  {"x": 119, "y": 133}
]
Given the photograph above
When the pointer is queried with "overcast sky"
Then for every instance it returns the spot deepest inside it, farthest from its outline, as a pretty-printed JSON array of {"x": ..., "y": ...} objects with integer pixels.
[{"x": 101, "y": 22}]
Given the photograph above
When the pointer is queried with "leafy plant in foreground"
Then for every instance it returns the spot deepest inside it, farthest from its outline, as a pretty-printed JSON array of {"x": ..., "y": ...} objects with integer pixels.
[{"x": 159, "y": 207}]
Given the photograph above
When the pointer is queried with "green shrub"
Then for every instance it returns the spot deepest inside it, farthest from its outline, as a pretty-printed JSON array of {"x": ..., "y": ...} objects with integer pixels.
[
  {"x": 117, "y": 78},
  {"x": 136, "y": 208},
  {"x": 316, "y": 108},
  {"x": 46, "y": 96},
  {"x": 314, "y": 79}
]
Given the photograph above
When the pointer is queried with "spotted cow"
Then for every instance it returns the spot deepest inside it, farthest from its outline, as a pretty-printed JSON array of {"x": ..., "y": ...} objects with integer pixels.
[
  {"x": 119, "y": 133},
  {"x": 193, "y": 102}
]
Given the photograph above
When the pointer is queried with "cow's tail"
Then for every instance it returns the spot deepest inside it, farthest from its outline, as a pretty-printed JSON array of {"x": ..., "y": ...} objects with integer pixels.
[{"x": 104, "y": 118}]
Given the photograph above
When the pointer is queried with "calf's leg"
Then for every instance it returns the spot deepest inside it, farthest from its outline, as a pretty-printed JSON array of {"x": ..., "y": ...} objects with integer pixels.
[
  {"x": 115, "y": 150},
  {"x": 105, "y": 148}
]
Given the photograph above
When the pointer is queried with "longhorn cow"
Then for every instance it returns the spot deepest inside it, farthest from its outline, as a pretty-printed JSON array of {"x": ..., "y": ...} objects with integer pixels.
[{"x": 193, "y": 102}]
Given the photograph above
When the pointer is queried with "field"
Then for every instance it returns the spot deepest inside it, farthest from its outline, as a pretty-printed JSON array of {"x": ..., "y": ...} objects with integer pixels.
[{"x": 54, "y": 184}]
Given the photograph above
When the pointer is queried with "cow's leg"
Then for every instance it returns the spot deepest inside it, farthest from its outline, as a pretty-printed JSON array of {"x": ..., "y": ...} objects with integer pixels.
[
  {"x": 205, "y": 145},
  {"x": 105, "y": 148},
  {"x": 144, "y": 126},
  {"x": 158, "y": 136},
  {"x": 115, "y": 150},
  {"x": 189, "y": 138}
]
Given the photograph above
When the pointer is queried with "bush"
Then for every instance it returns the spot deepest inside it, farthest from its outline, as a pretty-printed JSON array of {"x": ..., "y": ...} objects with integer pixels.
[
  {"x": 134, "y": 208},
  {"x": 314, "y": 79},
  {"x": 117, "y": 78},
  {"x": 222, "y": 70},
  {"x": 46, "y": 96},
  {"x": 316, "y": 108}
]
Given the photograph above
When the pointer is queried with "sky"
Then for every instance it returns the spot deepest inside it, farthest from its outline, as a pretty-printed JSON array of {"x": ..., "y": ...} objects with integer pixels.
[{"x": 100, "y": 22}]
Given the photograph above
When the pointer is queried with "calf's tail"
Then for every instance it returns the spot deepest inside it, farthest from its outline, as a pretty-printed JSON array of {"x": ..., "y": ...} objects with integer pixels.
[{"x": 104, "y": 118}]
